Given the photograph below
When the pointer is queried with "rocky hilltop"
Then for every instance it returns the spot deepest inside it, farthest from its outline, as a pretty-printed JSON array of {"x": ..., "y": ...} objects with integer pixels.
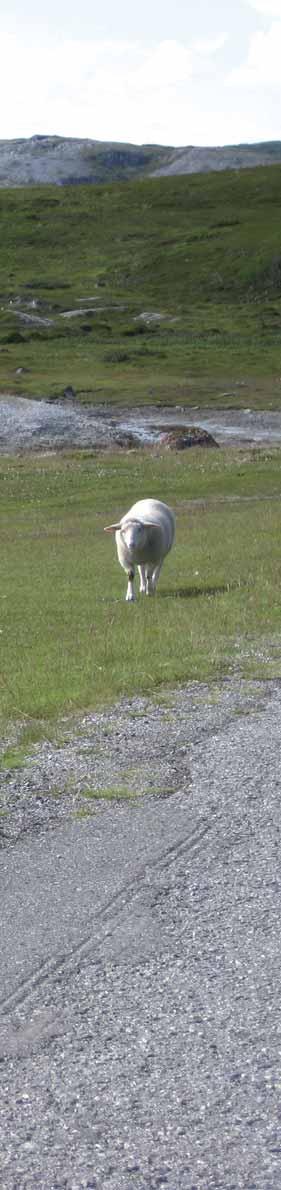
[
  {"x": 70, "y": 161},
  {"x": 199, "y": 160}
]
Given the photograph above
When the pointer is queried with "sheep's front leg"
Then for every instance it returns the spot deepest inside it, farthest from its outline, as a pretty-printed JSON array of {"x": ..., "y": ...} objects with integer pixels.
[
  {"x": 141, "y": 570},
  {"x": 149, "y": 586},
  {"x": 155, "y": 575},
  {"x": 130, "y": 595}
]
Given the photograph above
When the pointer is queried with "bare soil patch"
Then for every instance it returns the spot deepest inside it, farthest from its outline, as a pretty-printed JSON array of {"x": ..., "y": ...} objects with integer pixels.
[{"x": 27, "y": 424}]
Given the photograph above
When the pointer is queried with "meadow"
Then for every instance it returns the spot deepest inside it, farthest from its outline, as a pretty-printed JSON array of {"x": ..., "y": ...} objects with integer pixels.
[
  {"x": 202, "y": 251},
  {"x": 69, "y": 641},
  {"x": 205, "y": 253}
]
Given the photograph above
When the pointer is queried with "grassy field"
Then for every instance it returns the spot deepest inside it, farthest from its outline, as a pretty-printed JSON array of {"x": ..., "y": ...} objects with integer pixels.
[
  {"x": 67, "y": 638},
  {"x": 202, "y": 251}
]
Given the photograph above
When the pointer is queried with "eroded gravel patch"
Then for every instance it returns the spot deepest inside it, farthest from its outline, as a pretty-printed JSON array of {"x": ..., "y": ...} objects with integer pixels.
[
  {"x": 139, "y": 747},
  {"x": 27, "y": 424}
]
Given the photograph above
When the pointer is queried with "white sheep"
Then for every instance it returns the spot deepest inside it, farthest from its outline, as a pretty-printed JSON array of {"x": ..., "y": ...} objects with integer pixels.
[{"x": 143, "y": 538}]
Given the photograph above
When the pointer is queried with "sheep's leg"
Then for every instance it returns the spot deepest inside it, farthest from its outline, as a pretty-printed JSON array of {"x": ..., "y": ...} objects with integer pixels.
[
  {"x": 155, "y": 575},
  {"x": 130, "y": 594},
  {"x": 149, "y": 588},
  {"x": 141, "y": 570}
]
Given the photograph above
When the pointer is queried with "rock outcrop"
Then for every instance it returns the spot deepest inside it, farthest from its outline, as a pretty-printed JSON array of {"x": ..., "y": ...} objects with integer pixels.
[{"x": 70, "y": 160}]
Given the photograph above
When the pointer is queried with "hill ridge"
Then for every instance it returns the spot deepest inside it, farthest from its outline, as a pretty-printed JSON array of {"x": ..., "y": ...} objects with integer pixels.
[{"x": 53, "y": 159}]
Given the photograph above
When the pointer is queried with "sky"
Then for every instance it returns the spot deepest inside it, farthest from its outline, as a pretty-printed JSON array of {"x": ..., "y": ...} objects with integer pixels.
[{"x": 186, "y": 72}]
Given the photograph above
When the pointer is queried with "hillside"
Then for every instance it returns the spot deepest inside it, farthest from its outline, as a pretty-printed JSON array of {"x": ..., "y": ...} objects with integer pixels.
[
  {"x": 164, "y": 289},
  {"x": 67, "y": 160},
  {"x": 199, "y": 160}
]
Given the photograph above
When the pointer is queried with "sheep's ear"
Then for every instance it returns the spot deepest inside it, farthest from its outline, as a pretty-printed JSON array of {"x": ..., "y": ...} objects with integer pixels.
[{"x": 111, "y": 528}]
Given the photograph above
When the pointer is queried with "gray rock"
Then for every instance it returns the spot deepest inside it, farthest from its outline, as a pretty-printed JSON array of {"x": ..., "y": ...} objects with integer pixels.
[{"x": 69, "y": 392}]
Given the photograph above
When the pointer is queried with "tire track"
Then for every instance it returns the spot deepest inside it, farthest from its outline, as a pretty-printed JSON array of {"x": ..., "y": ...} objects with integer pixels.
[{"x": 67, "y": 962}]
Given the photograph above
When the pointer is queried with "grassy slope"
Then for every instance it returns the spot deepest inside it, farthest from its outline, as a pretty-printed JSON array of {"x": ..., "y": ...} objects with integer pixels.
[
  {"x": 68, "y": 639},
  {"x": 204, "y": 250}
]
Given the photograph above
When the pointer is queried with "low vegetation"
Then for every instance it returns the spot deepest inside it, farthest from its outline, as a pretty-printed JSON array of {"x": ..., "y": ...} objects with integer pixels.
[
  {"x": 69, "y": 641},
  {"x": 201, "y": 254},
  {"x": 177, "y": 284}
]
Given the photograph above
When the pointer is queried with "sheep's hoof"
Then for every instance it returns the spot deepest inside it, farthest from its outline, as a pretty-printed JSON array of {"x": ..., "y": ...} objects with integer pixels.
[{"x": 130, "y": 598}]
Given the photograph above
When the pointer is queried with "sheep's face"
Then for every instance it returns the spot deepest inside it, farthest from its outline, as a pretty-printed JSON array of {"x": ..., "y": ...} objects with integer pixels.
[{"x": 133, "y": 534}]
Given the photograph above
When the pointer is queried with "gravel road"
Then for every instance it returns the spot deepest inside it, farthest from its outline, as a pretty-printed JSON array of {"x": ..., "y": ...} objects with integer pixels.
[{"x": 140, "y": 1003}]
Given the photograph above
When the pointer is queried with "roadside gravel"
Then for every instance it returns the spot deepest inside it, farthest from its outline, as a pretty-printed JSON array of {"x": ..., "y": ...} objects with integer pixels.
[
  {"x": 140, "y": 746},
  {"x": 140, "y": 953}
]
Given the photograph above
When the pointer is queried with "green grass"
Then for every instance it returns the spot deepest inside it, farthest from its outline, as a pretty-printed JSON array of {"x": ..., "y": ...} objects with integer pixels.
[
  {"x": 22, "y": 751},
  {"x": 204, "y": 251},
  {"x": 13, "y": 758},
  {"x": 69, "y": 641},
  {"x": 110, "y": 793}
]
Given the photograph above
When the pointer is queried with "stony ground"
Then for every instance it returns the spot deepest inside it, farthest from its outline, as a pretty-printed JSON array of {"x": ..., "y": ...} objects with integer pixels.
[
  {"x": 27, "y": 424},
  {"x": 139, "y": 747},
  {"x": 140, "y": 950}
]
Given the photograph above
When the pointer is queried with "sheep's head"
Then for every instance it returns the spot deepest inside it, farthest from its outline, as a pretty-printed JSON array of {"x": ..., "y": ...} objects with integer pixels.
[{"x": 132, "y": 532}]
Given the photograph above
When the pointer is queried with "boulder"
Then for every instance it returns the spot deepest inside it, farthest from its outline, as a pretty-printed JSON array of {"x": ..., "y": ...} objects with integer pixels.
[
  {"x": 127, "y": 441},
  {"x": 182, "y": 437},
  {"x": 69, "y": 392}
]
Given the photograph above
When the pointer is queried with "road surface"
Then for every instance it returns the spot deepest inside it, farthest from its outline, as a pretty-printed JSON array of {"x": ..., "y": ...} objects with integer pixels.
[{"x": 140, "y": 1029}]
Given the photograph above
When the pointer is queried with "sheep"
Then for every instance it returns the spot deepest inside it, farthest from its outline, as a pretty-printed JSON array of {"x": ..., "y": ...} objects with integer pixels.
[{"x": 143, "y": 537}]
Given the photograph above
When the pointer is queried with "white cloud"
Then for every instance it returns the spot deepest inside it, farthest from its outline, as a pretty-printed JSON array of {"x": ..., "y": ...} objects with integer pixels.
[
  {"x": 270, "y": 8},
  {"x": 262, "y": 65},
  {"x": 166, "y": 65},
  {"x": 101, "y": 89},
  {"x": 168, "y": 93},
  {"x": 210, "y": 45}
]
